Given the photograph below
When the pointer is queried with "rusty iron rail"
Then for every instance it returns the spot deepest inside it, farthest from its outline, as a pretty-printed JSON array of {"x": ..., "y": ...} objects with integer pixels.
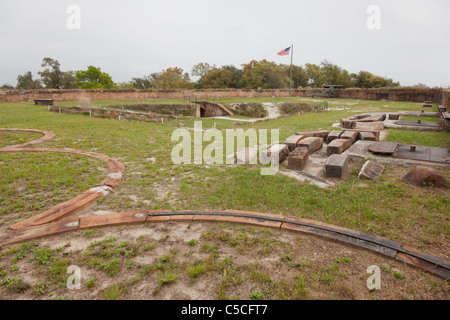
[
  {"x": 380, "y": 245},
  {"x": 47, "y": 225}
]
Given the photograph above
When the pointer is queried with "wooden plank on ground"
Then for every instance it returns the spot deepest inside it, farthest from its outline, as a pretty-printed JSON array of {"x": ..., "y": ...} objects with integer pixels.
[
  {"x": 74, "y": 205},
  {"x": 30, "y": 233},
  {"x": 112, "y": 219}
]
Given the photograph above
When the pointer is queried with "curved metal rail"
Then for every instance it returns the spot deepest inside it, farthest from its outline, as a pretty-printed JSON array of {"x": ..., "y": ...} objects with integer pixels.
[
  {"x": 380, "y": 245},
  {"x": 48, "y": 223}
]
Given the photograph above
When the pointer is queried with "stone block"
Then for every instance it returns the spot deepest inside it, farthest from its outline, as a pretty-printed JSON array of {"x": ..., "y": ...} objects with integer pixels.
[
  {"x": 298, "y": 158},
  {"x": 333, "y": 135},
  {"x": 336, "y": 166},
  {"x": 376, "y": 133},
  {"x": 338, "y": 146},
  {"x": 373, "y": 119},
  {"x": 278, "y": 151},
  {"x": 347, "y": 123},
  {"x": 368, "y": 136},
  {"x": 394, "y": 116},
  {"x": 312, "y": 143},
  {"x": 320, "y": 134},
  {"x": 293, "y": 141},
  {"x": 362, "y": 116},
  {"x": 350, "y": 135},
  {"x": 371, "y": 170},
  {"x": 383, "y": 147},
  {"x": 377, "y": 125},
  {"x": 425, "y": 177}
]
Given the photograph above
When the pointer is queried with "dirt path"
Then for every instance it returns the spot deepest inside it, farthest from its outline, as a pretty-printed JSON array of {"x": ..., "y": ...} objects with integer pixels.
[{"x": 272, "y": 109}]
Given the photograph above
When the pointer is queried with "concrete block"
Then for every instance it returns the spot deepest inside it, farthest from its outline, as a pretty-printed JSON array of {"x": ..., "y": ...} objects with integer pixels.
[
  {"x": 298, "y": 158},
  {"x": 336, "y": 166}
]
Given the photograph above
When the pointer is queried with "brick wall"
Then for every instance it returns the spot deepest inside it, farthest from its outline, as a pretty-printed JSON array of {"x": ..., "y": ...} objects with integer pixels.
[
  {"x": 409, "y": 95},
  {"x": 74, "y": 95},
  {"x": 412, "y": 95}
]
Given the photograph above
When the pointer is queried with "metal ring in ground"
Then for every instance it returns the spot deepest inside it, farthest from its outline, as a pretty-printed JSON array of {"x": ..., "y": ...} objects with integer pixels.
[
  {"x": 436, "y": 265},
  {"x": 48, "y": 225}
]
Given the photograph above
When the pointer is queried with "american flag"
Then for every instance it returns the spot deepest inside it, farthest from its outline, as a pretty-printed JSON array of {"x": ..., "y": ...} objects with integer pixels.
[{"x": 284, "y": 52}]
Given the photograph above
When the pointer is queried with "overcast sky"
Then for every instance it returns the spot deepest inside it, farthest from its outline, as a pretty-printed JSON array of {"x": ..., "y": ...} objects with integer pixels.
[{"x": 133, "y": 38}]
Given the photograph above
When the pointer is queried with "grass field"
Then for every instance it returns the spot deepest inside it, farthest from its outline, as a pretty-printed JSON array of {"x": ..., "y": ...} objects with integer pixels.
[
  {"x": 8, "y": 138},
  {"x": 31, "y": 183}
]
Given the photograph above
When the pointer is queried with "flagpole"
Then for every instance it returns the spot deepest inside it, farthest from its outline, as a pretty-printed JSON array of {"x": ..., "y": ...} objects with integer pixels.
[{"x": 290, "y": 83}]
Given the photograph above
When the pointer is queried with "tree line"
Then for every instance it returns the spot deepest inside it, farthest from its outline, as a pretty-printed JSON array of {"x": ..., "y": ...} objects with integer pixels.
[{"x": 253, "y": 75}]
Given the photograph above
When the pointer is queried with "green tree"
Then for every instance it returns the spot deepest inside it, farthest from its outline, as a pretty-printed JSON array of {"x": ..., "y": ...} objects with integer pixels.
[
  {"x": 201, "y": 70},
  {"x": 144, "y": 82},
  {"x": 171, "y": 79},
  {"x": 299, "y": 76},
  {"x": 346, "y": 79},
  {"x": 53, "y": 77},
  {"x": 218, "y": 78},
  {"x": 314, "y": 74},
  {"x": 330, "y": 72},
  {"x": 124, "y": 86},
  {"x": 333, "y": 74},
  {"x": 365, "y": 79},
  {"x": 26, "y": 82},
  {"x": 265, "y": 75},
  {"x": 93, "y": 78},
  {"x": 236, "y": 82},
  {"x": 7, "y": 86}
]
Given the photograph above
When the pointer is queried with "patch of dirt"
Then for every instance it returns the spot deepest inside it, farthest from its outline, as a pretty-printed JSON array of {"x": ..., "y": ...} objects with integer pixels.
[
  {"x": 263, "y": 260},
  {"x": 273, "y": 111}
]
